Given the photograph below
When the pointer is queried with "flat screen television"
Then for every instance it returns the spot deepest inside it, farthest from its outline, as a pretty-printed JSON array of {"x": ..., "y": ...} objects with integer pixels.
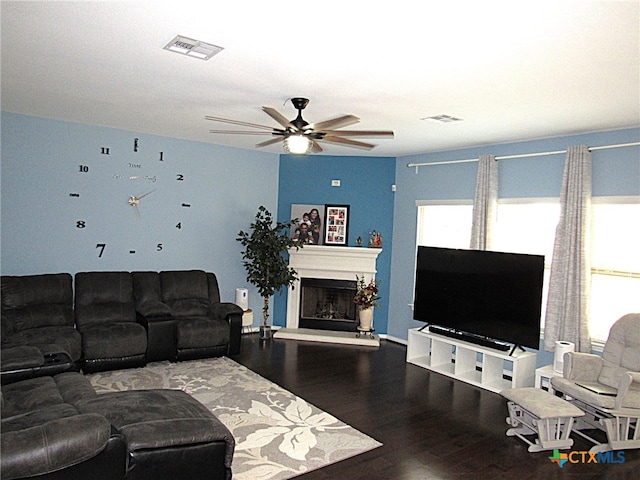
[{"x": 480, "y": 294}]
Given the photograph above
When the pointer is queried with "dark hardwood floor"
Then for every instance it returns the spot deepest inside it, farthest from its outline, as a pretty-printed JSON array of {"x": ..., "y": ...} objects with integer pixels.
[{"x": 432, "y": 427}]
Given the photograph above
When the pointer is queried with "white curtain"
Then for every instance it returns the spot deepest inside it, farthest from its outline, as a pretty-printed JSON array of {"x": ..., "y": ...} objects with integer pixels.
[
  {"x": 485, "y": 203},
  {"x": 567, "y": 316}
]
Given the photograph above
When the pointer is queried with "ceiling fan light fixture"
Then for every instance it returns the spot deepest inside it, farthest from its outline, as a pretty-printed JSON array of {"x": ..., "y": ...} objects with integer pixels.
[{"x": 297, "y": 144}]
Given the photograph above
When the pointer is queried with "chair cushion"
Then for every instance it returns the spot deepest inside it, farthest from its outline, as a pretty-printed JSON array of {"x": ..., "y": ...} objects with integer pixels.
[
  {"x": 622, "y": 350},
  {"x": 198, "y": 332},
  {"x": 113, "y": 340},
  {"x": 573, "y": 390}
]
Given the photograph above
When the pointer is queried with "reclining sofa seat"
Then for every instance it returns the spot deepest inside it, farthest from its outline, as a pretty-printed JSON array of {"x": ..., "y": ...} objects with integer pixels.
[
  {"x": 106, "y": 317},
  {"x": 38, "y": 334},
  {"x": 203, "y": 326}
]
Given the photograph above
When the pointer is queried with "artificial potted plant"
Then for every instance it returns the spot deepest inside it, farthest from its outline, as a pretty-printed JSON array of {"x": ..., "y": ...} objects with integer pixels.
[
  {"x": 263, "y": 258},
  {"x": 366, "y": 298}
]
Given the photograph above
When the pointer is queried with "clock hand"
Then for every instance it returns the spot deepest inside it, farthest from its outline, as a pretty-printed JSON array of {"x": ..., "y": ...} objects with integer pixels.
[{"x": 142, "y": 196}]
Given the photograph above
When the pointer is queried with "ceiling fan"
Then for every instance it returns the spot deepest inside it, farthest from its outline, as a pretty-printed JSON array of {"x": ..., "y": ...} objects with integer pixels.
[{"x": 299, "y": 136}]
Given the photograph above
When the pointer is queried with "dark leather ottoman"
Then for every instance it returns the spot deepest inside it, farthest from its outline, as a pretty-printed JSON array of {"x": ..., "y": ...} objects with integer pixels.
[{"x": 169, "y": 434}]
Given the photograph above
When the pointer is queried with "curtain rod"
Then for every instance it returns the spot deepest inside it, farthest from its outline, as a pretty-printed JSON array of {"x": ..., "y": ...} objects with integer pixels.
[{"x": 522, "y": 155}]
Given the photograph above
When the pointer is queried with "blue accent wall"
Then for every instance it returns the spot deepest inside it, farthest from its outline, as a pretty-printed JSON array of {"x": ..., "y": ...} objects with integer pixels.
[
  {"x": 40, "y": 169},
  {"x": 616, "y": 172},
  {"x": 365, "y": 185}
]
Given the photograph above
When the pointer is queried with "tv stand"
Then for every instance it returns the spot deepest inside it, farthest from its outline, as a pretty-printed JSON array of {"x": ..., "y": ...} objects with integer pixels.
[
  {"x": 469, "y": 337},
  {"x": 477, "y": 365}
]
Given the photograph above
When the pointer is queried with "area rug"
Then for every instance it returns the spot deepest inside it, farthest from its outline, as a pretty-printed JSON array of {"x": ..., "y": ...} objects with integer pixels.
[{"x": 278, "y": 435}]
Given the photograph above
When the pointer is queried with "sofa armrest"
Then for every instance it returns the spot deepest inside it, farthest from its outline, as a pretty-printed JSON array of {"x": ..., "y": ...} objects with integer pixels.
[
  {"x": 20, "y": 358},
  {"x": 55, "y": 445},
  {"x": 584, "y": 367},
  {"x": 225, "y": 310},
  {"x": 232, "y": 313},
  {"x": 153, "y": 309}
]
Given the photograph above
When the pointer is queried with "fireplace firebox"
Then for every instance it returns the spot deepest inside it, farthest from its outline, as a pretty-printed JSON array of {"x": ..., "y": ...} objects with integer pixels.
[{"x": 327, "y": 304}]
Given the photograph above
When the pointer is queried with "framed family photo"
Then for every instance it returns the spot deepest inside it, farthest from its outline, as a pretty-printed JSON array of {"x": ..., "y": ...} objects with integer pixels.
[
  {"x": 336, "y": 225},
  {"x": 308, "y": 228}
]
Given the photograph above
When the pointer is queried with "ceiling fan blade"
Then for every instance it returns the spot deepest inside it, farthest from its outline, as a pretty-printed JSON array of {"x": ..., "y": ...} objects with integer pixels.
[
  {"x": 278, "y": 117},
  {"x": 315, "y": 147},
  {"x": 337, "y": 122},
  {"x": 361, "y": 133},
  {"x": 237, "y": 122},
  {"x": 242, "y": 132},
  {"x": 269, "y": 142},
  {"x": 347, "y": 142}
]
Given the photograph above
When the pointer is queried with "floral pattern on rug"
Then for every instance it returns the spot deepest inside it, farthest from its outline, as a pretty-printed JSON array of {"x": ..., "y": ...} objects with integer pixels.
[{"x": 278, "y": 435}]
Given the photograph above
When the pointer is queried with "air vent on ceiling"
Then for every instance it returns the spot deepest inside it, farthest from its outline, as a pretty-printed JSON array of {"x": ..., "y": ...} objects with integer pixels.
[
  {"x": 442, "y": 119},
  {"x": 192, "y": 48}
]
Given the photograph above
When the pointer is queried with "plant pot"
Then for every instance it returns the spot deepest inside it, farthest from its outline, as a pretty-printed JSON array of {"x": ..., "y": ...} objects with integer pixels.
[
  {"x": 265, "y": 332},
  {"x": 365, "y": 315}
]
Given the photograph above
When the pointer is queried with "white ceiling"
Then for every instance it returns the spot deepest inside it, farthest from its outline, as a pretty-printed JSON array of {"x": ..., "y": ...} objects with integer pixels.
[{"x": 512, "y": 70}]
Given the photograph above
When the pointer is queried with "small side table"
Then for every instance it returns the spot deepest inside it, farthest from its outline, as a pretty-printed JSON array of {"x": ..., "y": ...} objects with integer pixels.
[
  {"x": 544, "y": 376},
  {"x": 247, "y": 321}
]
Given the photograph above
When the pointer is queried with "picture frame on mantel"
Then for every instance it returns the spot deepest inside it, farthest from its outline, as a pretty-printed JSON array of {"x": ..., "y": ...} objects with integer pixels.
[
  {"x": 308, "y": 228},
  {"x": 336, "y": 225}
]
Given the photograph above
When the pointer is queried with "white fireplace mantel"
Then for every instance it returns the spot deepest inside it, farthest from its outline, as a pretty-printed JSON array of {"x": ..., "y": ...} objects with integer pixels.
[{"x": 337, "y": 263}]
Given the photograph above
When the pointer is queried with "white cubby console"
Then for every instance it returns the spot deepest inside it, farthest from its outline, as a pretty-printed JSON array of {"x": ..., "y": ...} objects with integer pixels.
[{"x": 467, "y": 362}]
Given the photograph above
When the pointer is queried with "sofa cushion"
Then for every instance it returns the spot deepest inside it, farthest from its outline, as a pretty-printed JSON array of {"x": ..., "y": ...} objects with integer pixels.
[
  {"x": 104, "y": 297},
  {"x": 37, "y": 417},
  {"x": 113, "y": 340},
  {"x": 19, "y": 357},
  {"x": 148, "y": 295},
  {"x": 28, "y": 395},
  {"x": 184, "y": 284},
  {"x": 198, "y": 332},
  {"x": 74, "y": 386},
  {"x": 30, "y": 301},
  {"x": 61, "y": 339}
]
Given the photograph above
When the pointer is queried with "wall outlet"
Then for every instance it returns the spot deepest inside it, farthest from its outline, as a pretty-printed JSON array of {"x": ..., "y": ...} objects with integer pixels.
[{"x": 335, "y": 183}]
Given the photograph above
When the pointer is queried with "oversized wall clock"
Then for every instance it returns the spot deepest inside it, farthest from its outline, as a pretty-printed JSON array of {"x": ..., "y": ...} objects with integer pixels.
[{"x": 128, "y": 199}]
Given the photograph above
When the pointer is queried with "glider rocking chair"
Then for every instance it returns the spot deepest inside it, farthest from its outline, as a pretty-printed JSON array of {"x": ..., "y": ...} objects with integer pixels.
[{"x": 607, "y": 387}]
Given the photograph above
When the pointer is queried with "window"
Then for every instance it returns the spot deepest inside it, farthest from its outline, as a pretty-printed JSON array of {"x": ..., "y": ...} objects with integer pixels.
[
  {"x": 528, "y": 226},
  {"x": 615, "y": 261},
  {"x": 445, "y": 224}
]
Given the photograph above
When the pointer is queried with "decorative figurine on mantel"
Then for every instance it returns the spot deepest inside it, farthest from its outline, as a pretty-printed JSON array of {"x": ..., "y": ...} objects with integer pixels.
[
  {"x": 359, "y": 241},
  {"x": 375, "y": 239}
]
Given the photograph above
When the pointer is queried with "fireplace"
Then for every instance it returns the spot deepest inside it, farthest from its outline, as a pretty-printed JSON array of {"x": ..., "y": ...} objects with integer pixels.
[
  {"x": 339, "y": 266},
  {"x": 327, "y": 304}
]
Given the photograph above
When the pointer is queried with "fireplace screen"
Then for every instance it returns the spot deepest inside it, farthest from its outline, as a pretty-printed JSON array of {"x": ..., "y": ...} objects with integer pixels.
[{"x": 327, "y": 304}]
